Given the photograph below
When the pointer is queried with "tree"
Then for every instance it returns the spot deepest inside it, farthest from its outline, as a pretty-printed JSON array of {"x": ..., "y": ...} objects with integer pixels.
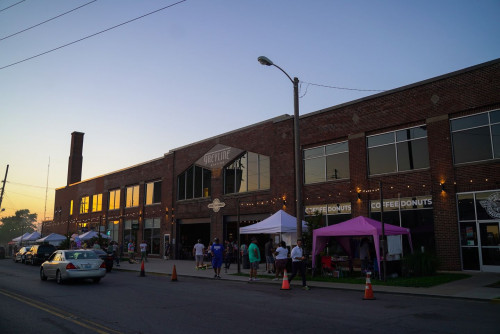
[{"x": 17, "y": 225}]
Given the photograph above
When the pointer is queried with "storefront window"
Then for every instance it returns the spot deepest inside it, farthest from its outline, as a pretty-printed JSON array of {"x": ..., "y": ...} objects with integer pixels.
[
  {"x": 152, "y": 235},
  {"x": 113, "y": 230},
  {"x": 466, "y": 209},
  {"x": 130, "y": 232},
  {"x": 476, "y": 137}
]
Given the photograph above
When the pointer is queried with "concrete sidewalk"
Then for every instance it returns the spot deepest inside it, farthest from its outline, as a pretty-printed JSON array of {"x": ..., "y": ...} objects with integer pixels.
[{"x": 475, "y": 287}]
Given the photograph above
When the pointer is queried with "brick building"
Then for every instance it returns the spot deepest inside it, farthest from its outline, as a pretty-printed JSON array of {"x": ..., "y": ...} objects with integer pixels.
[{"x": 431, "y": 148}]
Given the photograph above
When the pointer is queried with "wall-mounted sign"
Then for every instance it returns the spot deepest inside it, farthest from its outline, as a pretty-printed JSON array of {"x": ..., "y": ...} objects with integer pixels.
[
  {"x": 218, "y": 156},
  {"x": 329, "y": 209},
  {"x": 405, "y": 203},
  {"x": 216, "y": 205},
  {"x": 492, "y": 205}
]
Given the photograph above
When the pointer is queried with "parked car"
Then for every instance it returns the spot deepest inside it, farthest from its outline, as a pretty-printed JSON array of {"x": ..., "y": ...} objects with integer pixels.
[
  {"x": 39, "y": 253},
  {"x": 106, "y": 257},
  {"x": 73, "y": 264},
  {"x": 20, "y": 255}
]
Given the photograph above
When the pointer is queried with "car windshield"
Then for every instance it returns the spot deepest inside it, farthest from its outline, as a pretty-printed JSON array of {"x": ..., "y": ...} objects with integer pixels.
[{"x": 79, "y": 255}]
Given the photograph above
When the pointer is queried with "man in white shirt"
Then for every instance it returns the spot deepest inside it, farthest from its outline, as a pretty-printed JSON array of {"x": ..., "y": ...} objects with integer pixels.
[
  {"x": 143, "y": 245},
  {"x": 298, "y": 264},
  {"x": 198, "y": 253}
]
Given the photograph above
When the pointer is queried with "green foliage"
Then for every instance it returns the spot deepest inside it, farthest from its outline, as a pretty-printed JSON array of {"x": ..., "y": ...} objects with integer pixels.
[
  {"x": 312, "y": 223},
  {"x": 420, "y": 264},
  {"x": 23, "y": 221}
]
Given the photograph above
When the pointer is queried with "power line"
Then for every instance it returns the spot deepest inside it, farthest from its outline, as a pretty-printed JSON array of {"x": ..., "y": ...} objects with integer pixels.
[
  {"x": 341, "y": 88},
  {"x": 36, "y": 25},
  {"x": 29, "y": 185},
  {"x": 17, "y": 3},
  {"x": 89, "y": 36}
]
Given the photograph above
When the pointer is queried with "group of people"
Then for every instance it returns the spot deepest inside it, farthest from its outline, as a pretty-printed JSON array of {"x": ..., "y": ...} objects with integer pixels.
[
  {"x": 276, "y": 258},
  {"x": 131, "y": 251}
]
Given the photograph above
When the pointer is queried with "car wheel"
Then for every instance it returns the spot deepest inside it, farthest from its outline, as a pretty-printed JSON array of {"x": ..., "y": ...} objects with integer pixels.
[
  {"x": 59, "y": 279},
  {"x": 42, "y": 275},
  {"x": 96, "y": 280}
]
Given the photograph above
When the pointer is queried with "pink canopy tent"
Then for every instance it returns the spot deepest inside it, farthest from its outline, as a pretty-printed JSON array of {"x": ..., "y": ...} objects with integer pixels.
[{"x": 359, "y": 226}]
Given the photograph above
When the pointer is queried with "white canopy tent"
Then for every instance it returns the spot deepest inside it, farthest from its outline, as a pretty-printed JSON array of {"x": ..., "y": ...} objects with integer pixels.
[
  {"x": 32, "y": 237},
  {"x": 92, "y": 234},
  {"x": 280, "y": 222},
  {"x": 23, "y": 237},
  {"x": 53, "y": 239}
]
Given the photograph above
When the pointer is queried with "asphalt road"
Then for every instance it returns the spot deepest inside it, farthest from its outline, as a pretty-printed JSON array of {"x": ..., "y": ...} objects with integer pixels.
[{"x": 124, "y": 302}]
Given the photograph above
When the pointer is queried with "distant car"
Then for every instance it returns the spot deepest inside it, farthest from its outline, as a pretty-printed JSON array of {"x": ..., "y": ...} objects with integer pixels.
[
  {"x": 39, "y": 253},
  {"x": 106, "y": 257},
  {"x": 72, "y": 265},
  {"x": 20, "y": 256}
]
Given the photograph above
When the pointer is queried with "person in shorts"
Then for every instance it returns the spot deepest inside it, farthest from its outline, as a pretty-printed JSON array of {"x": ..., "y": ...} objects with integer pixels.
[
  {"x": 217, "y": 251},
  {"x": 254, "y": 257},
  {"x": 281, "y": 259},
  {"x": 198, "y": 253}
]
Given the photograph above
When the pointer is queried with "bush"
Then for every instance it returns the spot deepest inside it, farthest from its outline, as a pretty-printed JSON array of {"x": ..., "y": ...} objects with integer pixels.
[{"x": 420, "y": 264}]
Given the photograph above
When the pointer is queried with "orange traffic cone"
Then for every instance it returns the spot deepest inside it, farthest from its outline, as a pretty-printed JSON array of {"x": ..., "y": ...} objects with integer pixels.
[
  {"x": 142, "y": 269},
  {"x": 368, "y": 288},
  {"x": 285, "y": 285},
  {"x": 174, "y": 275}
]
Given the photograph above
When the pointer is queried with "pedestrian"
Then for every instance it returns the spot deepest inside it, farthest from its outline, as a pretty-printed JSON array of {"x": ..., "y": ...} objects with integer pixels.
[
  {"x": 115, "y": 253},
  {"x": 281, "y": 259},
  {"x": 228, "y": 255},
  {"x": 209, "y": 252},
  {"x": 217, "y": 251},
  {"x": 268, "y": 251},
  {"x": 299, "y": 264},
  {"x": 198, "y": 253},
  {"x": 131, "y": 249},
  {"x": 254, "y": 257},
  {"x": 96, "y": 245},
  {"x": 167, "y": 250},
  {"x": 144, "y": 247},
  {"x": 244, "y": 256}
]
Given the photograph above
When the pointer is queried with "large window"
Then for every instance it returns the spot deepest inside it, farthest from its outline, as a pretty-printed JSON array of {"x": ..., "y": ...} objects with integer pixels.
[
  {"x": 250, "y": 172},
  {"x": 97, "y": 203},
  {"x": 114, "y": 199},
  {"x": 132, "y": 196},
  {"x": 153, "y": 192},
  {"x": 113, "y": 229},
  {"x": 152, "y": 235},
  {"x": 325, "y": 163},
  {"x": 398, "y": 151},
  {"x": 84, "y": 204},
  {"x": 194, "y": 183},
  {"x": 477, "y": 137}
]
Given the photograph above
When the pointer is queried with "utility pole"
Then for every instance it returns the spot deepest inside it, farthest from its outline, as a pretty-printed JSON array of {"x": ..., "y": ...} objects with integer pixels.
[{"x": 3, "y": 186}]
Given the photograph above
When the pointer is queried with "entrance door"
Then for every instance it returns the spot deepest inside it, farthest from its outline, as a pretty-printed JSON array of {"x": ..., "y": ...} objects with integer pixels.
[{"x": 490, "y": 246}]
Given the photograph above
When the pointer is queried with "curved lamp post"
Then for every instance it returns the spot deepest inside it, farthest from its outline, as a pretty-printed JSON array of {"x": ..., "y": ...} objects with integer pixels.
[{"x": 298, "y": 181}]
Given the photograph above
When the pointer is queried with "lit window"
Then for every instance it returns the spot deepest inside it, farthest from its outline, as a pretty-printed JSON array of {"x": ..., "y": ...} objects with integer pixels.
[
  {"x": 153, "y": 192},
  {"x": 84, "y": 204},
  {"x": 97, "y": 203},
  {"x": 132, "y": 197},
  {"x": 114, "y": 199}
]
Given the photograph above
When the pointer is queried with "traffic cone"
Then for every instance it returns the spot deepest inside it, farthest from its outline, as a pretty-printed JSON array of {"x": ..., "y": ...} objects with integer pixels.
[
  {"x": 174, "y": 275},
  {"x": 368, "y": 288},
  {"x": 285, "y": 285},
  {"x": 142, "y": 269}
]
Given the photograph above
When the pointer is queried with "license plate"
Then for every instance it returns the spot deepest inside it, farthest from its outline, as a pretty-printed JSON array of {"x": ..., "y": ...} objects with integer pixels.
[{"x": 86, "y": 266}]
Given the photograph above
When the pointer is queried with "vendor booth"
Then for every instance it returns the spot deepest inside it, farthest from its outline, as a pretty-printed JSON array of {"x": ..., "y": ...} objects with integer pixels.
[
  {"x": 280, "y": 222},
  {"x": 359, "y": 226},
  {"x": 53, "y": 239},
  {"x": 92, "y": 234}
]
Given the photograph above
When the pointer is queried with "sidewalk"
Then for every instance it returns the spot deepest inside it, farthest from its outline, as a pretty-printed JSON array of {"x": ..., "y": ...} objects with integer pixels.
[{"x": 475, "y": 287}]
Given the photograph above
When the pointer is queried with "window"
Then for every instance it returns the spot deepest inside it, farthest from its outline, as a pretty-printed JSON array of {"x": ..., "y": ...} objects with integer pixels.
[
  {"x": 114, "y": 199},
  {"x": 113, "y": 228},
  {"x": 153, "y": 192},
  {"x": 71, "y": 207},
  {"x": 477, "y": 137},
  {"x": 132, "y": 196},
  {"x": 250, "y": 172},
  {"x": 84, "y": 204},
  {"x": 97, "y": 203},
  {"x": 194, "y": 183},
  {"x": 152, "y": 235},
  {"x": 325, "y": 163},
  {"x": 398, "y": 151}
]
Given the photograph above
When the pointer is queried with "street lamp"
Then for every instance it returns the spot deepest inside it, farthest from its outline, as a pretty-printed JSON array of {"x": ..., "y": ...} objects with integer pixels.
[{"x": 298, "y": 181}]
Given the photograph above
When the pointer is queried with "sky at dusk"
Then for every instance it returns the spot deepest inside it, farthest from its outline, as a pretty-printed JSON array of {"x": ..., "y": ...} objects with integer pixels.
[{"x": 189, "y": 72}]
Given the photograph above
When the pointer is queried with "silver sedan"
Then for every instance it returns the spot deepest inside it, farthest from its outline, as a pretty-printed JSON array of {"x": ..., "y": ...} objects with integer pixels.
[{"x": 73, "y": 264}]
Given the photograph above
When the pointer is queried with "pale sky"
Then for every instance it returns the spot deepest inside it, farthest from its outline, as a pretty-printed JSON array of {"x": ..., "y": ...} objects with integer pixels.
[{"x": 190, "y": 72}]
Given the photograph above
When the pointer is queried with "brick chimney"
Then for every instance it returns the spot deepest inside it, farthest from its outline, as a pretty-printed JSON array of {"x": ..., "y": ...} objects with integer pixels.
[{"x": 75, "y": 158}]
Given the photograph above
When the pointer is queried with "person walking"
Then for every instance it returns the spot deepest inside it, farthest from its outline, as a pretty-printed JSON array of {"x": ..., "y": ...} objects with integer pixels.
[
  {"x": 281, "y": 259},
  {"x": 144, "y": 246},
  {"x": 268, "y": 251},
  {"x": 198, "y": 253},
  {"x": 217, "y": 251},
  {"x": 244, "y": 256},
  {"x": 131, "y": 250},
  {"x": 298, "y": 264},
  {"x": 254, "y": 257},
  {"x": 115, "y": 253}
]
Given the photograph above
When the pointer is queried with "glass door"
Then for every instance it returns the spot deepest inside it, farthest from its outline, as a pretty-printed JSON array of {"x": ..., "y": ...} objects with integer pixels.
[
  {"x": 490, "y": 245},
  {"x": 470, "y": 246}
]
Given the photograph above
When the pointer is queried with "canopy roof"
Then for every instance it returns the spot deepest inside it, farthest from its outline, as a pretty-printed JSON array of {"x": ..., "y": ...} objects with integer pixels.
[
  {"x": 23, "y": 237},
  {"x": 52, "y": 237},
  {"x": 359, "y": 226},
  {"x": 32, "y": 237},
  {"x": 92, "y": 234},
  {"x": 280, "y": 222}
]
